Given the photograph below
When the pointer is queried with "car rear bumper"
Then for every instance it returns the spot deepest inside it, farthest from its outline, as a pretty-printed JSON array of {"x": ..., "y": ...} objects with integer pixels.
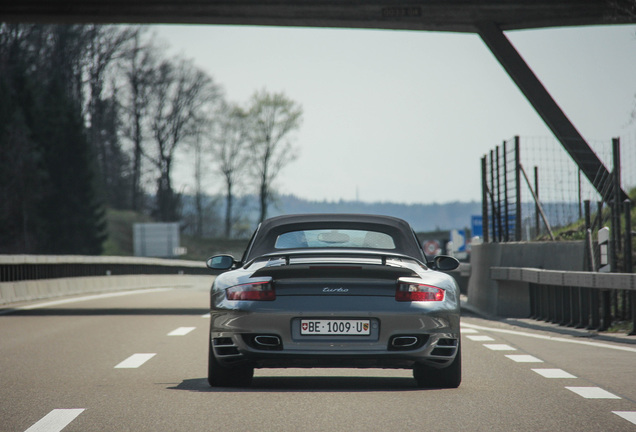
[{"x": 270, "y": 339}]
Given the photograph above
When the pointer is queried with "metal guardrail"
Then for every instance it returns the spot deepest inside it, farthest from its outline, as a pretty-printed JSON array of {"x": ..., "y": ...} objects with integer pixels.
[
  {"x": 576, "y": 299},
  {"x": 34, "y": 267}
]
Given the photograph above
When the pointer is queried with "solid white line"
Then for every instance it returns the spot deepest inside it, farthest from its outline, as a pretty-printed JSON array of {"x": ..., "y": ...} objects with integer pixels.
[
  {"x": 56, "y": 420},
  {"x": 500, "y": 347},
  {"x": 630, "y": 416},
  {"x": 551, "y": 338},
  {"x": 592, "y": 393},
  {"x": 81, "y": 299},
  {"x": 205, "y": 316},
  {"x": 134, "y": 361},
  {"x": 181, "y": 331},
  {"x": 480, "y": 338},
  {"x": 553, "y": 373}
]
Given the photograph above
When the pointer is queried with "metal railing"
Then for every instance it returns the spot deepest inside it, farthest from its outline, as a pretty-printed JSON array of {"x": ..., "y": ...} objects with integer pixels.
[
  {"x": 15, "y": 268},
  {"x": 576, "y": 299}
]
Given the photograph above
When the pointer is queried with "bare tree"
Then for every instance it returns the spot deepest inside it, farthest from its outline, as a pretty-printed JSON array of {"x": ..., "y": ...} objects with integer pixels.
[
  {"x": 230, "y": 149},
  {"x": 139, "y": 71},
  {"x": 178, "y": 106},
  {"x": 106, "y": 45},
  {"x": 273, "y": 117}
]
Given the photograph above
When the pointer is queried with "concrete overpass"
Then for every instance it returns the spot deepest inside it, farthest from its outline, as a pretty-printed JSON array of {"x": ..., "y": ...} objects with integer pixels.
[
  {"x": 432, "y": 15},
  {"x": 488, "y": 18}
]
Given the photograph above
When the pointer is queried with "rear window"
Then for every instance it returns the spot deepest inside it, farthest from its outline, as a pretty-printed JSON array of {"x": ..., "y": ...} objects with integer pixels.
[{"x": 330, "y": 238}]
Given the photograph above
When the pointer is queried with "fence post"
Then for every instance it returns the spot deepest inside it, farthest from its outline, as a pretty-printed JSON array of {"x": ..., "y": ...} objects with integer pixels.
[
  {"x": 616, "y": 180},
  {"x": 505, "y": 188},
  {"x": 518, "y": 188},
  {"x": 484, "y": 199},
  {"x": 629, "y": 268},
  {"x": 589, "y": 252},
  {"x": 536, "y": 204},
  {"x": 492, "y": 196},
  {"x": 499, "y": 213}
]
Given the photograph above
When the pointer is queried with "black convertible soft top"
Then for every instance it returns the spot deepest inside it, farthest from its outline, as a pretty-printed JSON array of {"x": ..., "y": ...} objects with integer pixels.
[{"x": 265, "y": 237}]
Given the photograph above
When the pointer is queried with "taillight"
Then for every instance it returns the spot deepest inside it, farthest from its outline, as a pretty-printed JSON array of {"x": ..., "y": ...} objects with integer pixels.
[
  {"x": 256, "y": 291},
  {"x": 418, "y": 292}
]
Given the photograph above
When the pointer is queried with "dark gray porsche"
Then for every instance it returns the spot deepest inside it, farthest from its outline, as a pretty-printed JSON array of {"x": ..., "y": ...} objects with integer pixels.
[{"x": 330, "y": 290}]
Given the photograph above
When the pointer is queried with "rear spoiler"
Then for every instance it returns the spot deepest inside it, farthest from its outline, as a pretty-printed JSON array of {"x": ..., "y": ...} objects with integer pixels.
[{"x": 330, "y": 253}]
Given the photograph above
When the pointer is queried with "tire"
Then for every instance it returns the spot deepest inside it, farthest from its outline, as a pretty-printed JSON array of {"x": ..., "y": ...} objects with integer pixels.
[
  {"x": 223, "y": 376},
  {"x": 448, "y": 377}
]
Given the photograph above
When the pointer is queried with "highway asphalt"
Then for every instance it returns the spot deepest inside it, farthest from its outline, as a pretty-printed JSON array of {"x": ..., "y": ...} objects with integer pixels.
[{"x": 136, "y": 361}]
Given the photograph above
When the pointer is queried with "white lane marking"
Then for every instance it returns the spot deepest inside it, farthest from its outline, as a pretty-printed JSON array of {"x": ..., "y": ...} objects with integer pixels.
[
  {"x": 83, "y": 298},
  {"x": 592, "y": 393},
  {"x": 181, "y": 331},
  {"x": 630, "y": 416},
  {"x": 523, "y": 358},
  {"x": 551, "y": 338},
  {"x": 500, "y": 347},
  {"x": 480, "y": 338},
  {"x": 135, "y": 360},
  {"x": 205, "y": 316},
  {"x": 56, "y": 420},
  {"x": 553, "y": 373},
  {"x": 468, "y": 331}
]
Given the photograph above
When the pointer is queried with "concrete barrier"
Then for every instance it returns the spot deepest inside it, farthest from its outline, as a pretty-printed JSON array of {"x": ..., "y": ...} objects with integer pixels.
[
  {"x": 15, "y": 292},
  {"x": 486, "y": 296}
]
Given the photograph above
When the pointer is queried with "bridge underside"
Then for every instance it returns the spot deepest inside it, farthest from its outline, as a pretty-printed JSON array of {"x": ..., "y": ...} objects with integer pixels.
[
  {"x": 488, "y": 18},
  {"x": 433, "y": 15}
]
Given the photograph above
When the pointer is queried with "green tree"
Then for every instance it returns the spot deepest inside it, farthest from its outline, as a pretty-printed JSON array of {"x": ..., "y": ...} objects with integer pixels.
[
  {"x": 273, "y": 117},
  {"x": 74, "y": 222},
  {"x": 230, "y": 151},
  {"x": 49, "y": 203}
]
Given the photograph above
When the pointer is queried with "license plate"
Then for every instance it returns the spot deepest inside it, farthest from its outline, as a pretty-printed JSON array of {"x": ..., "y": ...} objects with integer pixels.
[{"x": 335, "y": 327}]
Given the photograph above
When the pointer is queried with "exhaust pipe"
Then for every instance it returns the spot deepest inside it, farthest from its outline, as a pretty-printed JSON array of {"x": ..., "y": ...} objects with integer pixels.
[
  {"x": 267, "y": 341},
  {"x": 403, "y": 342}
]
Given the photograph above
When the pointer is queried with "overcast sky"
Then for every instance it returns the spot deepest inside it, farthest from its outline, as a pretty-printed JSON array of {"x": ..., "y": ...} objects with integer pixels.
[{"x": 405, "y": 116}]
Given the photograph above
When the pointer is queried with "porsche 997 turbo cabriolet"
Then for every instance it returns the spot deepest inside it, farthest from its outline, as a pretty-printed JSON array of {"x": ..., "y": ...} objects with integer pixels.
[{"x": 330, "y": 290}]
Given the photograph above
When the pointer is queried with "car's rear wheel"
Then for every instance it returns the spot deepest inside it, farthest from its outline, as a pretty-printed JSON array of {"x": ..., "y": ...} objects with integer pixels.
[
  {"x": 448, "y": 377},
  {"x": 223, "y": 376}
]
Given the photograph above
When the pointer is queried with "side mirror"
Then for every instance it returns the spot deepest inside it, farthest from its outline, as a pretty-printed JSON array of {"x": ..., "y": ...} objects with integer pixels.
[
  {"x": 444, "y": 263},
  {"x": 220, "y": 262}
]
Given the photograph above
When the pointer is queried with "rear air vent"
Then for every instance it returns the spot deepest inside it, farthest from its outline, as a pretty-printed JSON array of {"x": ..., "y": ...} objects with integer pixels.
[
  {"x": 445, "y": 348},
  {"x": 225, "y": 347}
]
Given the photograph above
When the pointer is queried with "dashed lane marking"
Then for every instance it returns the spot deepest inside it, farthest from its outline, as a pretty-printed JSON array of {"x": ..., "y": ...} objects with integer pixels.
[
  {"x": 553, "y": 373},
  {"x": 480, "y": 338},
  {"x": 524, "y": 358},
  {"x": 500, "y": 347},
  {"x": 630, "y": 416},
  {"x": 593, "y": 393},
  {"x": 56, "y": 420},
  {"x": 550, "y": 338},
  {"x": 207, "y": 315},
  {"x": 135, "y": 360},
  {"x": 468, "y": 331},
  {"x": 181, "y": 331}
]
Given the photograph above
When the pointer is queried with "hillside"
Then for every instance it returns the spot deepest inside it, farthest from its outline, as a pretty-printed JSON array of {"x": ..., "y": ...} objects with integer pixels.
[{"x": 422, "y": 217}]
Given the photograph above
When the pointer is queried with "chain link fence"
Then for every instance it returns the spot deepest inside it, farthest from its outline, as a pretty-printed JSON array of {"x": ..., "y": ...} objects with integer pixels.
[{"x": 533, "y": 190}]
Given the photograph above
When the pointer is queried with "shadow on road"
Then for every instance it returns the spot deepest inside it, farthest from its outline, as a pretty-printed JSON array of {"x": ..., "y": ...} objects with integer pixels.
[{"x": 307, "y": 384}]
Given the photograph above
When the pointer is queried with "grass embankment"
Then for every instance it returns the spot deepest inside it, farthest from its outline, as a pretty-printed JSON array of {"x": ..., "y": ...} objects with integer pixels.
[
  {"x": 120, "y": 238},
  {"x": 576, "y": 230}
]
